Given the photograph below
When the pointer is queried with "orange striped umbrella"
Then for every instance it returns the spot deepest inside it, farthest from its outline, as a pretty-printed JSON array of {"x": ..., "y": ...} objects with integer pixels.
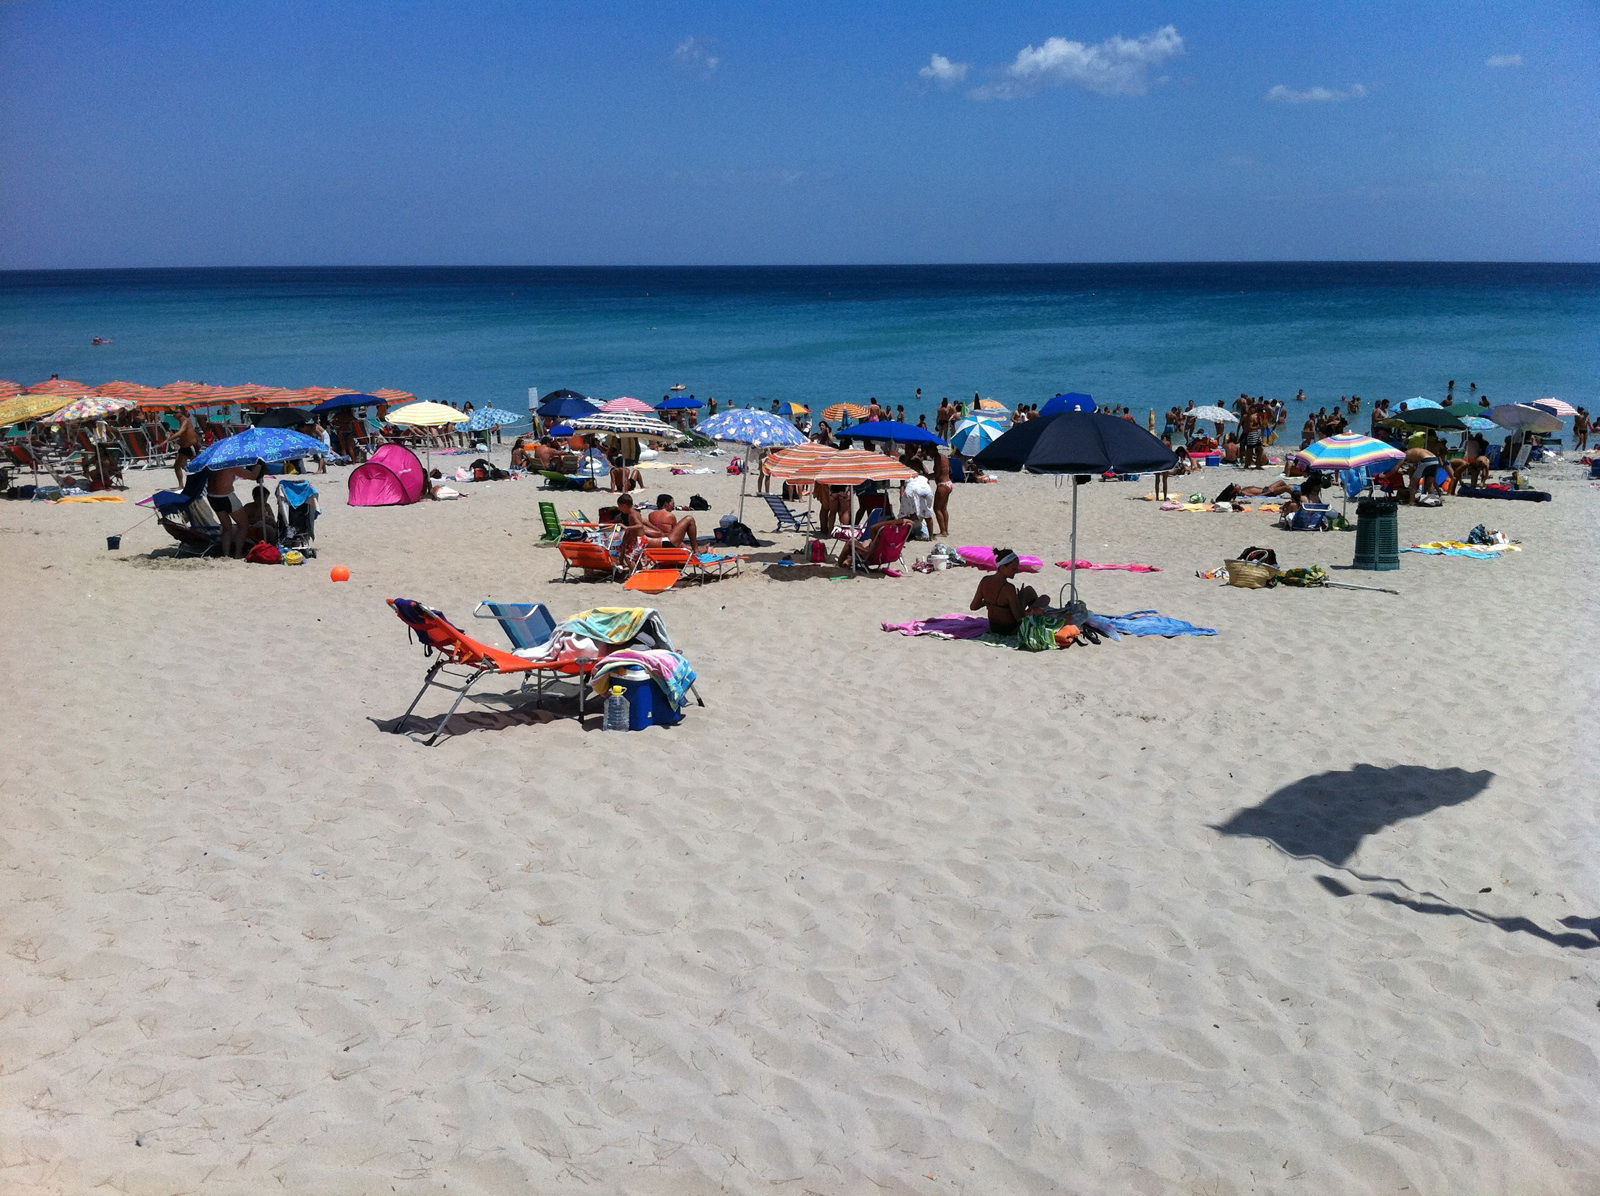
[
  {"x": 393, "y": 396},
  {"x": 848, "y": 467},
  {"x": 59, "y": 386},
  {"x": 120, "y": 389},
  {"x": 784, "y": 462},
  {"x": 842, "y": 411},
  {"x": 7, "y": 389}
]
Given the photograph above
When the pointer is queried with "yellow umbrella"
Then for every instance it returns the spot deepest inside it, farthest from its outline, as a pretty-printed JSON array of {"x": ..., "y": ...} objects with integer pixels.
[
  {"x": 14, "y": 411},
  {"x": 427, "y": 415}
]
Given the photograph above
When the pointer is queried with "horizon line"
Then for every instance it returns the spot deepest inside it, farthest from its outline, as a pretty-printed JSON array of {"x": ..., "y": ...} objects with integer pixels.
[{"x": 817, "y": 265}]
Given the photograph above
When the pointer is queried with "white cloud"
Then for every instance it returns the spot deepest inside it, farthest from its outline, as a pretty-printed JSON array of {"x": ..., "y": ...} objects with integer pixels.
[
  {"x": 1503, "y": 60},
  {"x": 944, "y": 72},
  {"x": 1117, "y": 66},
  {"x": 1315, "y": 95},
  {"x": 694, "y": 55}
]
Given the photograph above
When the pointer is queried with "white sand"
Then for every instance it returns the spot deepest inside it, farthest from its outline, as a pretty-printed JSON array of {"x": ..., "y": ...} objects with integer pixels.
[{"x": 888, "y": 915}]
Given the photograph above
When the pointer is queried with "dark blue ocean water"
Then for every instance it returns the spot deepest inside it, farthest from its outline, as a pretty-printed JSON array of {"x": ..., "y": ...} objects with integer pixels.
[{"x": 1140, "y": 334}]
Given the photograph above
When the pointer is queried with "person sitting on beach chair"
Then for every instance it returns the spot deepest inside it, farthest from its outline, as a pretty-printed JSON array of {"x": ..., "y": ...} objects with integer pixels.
[
  {"x": 662, "y": 527},
  {"x": 999, "y": 598}
]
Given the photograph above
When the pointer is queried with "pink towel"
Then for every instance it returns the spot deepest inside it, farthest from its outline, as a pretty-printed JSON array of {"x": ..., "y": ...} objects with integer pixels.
[
  {"x": 1128, "y": 568},
  {"x": 952, "y": 626}
]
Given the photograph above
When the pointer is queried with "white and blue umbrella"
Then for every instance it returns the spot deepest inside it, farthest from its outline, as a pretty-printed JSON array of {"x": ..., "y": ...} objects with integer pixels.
[
  {"x": 760, "y": 429},
  {"x": 258, "y": 446},
  {"x": 972, "y": 434},
  {"x": 492, "y": 417}
]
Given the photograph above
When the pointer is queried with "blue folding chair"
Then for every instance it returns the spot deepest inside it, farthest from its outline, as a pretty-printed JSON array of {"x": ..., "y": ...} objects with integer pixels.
[
  {"x": 787, "y": 518},
  {"x": 526, "y": 624}
]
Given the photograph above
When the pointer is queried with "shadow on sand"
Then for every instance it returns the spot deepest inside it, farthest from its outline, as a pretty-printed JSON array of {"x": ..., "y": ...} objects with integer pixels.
[
  {"x": 1328, "y": 815},
  {"x": 1429, "y": 903}
]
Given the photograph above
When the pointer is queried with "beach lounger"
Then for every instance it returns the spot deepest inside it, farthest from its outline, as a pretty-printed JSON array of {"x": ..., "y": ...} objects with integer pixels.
[
  {"x": 466, "y": 661},
  {"x": 787, "y": 518},
  {"x": 552, "y": 523},
  {"x": 587, "y": 557},
  {"x": 187, "y": 517},
  {"x": 562, "y": 481}
]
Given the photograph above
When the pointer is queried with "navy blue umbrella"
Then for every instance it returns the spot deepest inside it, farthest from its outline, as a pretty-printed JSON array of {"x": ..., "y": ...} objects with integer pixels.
[
  {"x": 888, "y": 429},
  {"x": 568, "y": 406},
  {"x": 350, "y": 400},
  {"x": 1078, "y": 442},
  {"x": 1072, "y": 401},
  {"x": 680, "y": 403}
]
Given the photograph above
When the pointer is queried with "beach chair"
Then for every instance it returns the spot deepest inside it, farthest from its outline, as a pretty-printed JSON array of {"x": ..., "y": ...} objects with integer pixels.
[
  {"x": 526, "y": 624},
  {"x": 296, "y": 503},
  {"x": 1311, "y": 517},
  {"x": 561, "y": 481},
  {"x": 588, "y": 558},
  {"x": 787, "y": 518},
  {"x": 187, "y": 517},
  {"x": 552, "y": 522},
  {"x": 465, "y": 661},
  {"x": 886, "y": 553}
]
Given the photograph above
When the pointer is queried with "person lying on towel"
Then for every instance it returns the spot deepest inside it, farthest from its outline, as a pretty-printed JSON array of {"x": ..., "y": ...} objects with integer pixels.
[{"x": 999, "y": 598}]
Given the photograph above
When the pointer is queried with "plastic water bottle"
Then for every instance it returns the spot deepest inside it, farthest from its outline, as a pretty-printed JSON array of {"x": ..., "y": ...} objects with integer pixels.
[{"x": 616, "y": 718}]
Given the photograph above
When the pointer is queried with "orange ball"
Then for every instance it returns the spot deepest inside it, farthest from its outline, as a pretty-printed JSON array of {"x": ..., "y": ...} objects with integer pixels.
[{"x": 339, "y": 573}]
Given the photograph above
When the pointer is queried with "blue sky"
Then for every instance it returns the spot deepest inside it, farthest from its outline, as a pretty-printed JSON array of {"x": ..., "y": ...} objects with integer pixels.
[{"x": 240, "y": 132}]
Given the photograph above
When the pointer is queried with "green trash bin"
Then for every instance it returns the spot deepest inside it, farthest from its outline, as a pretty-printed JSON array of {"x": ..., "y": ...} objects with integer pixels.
[{"x": 1377, "y": 534}]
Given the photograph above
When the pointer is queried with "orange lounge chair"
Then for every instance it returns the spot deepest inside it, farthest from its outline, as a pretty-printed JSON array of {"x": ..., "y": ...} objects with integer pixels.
[
  {"x": 472, "y": 661},
  {"x": 586, "y": 556}
]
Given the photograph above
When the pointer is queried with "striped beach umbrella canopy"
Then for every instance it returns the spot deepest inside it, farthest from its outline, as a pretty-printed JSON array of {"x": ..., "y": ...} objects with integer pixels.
[
  {"x": 1348, "y": 450},
  {"x": 427, "y": 415},
  {"x": 761, "y": 429},
  {"x": 24, "y": 407},
  {"x": 1417, "y": 404},
  {"x": 89, "y": 407},
  {"x": 10, "y": 389},
  {"x": 793, "y": 409},
  {"x": 989, "y": 405},
  {"x": 626, "y": 424},
  {"x": 120, "y": 388},
  {"x": 839, "y": 411},
  {"x": 971, "y": 434},
  {"x": 849, "y": 467},
  {"x": 59, "y": 386},
  {"x": 628, "y": 403},
  {"x": 394, "y": 396},
  {"x": 1554, "y": 406},
  {"x": 780, "y": 463},
  {"x": 492, "y": 417}
]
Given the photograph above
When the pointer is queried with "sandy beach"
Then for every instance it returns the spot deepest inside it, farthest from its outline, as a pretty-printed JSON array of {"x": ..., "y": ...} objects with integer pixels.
[{"x": 1308, "y": 906}]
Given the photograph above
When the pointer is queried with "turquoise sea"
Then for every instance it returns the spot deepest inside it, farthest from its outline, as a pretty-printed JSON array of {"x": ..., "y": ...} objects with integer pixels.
[{"x": 1137, "y": 334}]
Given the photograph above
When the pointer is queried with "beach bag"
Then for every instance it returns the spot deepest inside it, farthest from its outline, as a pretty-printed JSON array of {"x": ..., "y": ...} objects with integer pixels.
[
  {"x": 698, "y": 503},
  {"x": 1068, "y": 635},
  {"x": 736, "y": 534},
  {"x": 1266, "y": 556},
  {"x": 736, "y": 466},
  {"x": 1251, "y": 575},
  {"x": 1038, "y": 632},
  {"x": 817, "y": 551},
  {"x": 264, "y": 554}
]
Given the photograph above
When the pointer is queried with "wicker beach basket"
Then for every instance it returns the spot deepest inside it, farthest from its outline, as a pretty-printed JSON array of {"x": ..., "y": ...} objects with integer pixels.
[{"x": 1250, "y": 575}]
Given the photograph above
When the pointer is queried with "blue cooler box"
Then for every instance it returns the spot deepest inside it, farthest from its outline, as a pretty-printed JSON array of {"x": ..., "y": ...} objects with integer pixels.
[{"x": 647, "y": 705}]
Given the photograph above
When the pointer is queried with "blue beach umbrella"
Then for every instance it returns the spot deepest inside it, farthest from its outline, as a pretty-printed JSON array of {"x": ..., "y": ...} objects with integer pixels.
[
  {"x": 566, "y": 404},
  {"x": 888, "y": 429},
  {"x": 1072, "y": 401},
  {"x": 561, "y": 430},
  {"x": 971, "y": 435},
  {"x": 761, "y": 429},
  {"x": 350, "y": 400},
  {"x": 258, "y": 446},
  {"x": 1417, "y": 404},
  {"x": 491, "y": 417},
  {"x": 680, "y": 403}
]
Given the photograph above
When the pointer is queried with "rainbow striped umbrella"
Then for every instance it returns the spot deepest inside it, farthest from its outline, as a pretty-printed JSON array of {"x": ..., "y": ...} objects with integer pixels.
[
  {"x": 1348, "y": 450},
  {"x": 88, "y": 407}
]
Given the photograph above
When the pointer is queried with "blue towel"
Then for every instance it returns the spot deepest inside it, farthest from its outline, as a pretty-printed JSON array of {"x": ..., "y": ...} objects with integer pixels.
[
  {"x": 297, "y": 493},
  {"x": 1144, "y": 622},
  {"x": 1477, "y": 556}
]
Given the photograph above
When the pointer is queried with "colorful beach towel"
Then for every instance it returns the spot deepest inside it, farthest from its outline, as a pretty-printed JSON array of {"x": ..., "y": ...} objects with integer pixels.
[
  {"x": 1144, "y": 622},
  {"x": 1128, "y": 568},
  {"x": 672, "y": 673},
  {"x": 952, "y": 626}
]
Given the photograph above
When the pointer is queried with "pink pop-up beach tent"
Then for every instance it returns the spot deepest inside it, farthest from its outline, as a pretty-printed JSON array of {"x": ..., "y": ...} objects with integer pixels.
[{"x": 391, "y": 477}]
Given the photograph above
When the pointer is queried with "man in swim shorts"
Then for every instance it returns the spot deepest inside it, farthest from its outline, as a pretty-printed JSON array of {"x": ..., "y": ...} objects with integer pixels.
[{"x": 662, "y": 525}]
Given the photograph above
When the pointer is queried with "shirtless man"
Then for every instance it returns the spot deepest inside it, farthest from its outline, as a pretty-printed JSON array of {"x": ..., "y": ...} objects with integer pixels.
[
  {"x": 660, "y": 525},
  {"x": 188, "y": 445},
  {"x": 942, "y": 486},
  {"x": 947, "y": 418},
  {"x": 219, "y": 493},
  {"x": 1000, "y": 599}
]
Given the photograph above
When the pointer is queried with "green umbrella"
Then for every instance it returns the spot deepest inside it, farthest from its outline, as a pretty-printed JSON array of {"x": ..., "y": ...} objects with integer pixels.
[{"x": 1428, "y": 417}]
